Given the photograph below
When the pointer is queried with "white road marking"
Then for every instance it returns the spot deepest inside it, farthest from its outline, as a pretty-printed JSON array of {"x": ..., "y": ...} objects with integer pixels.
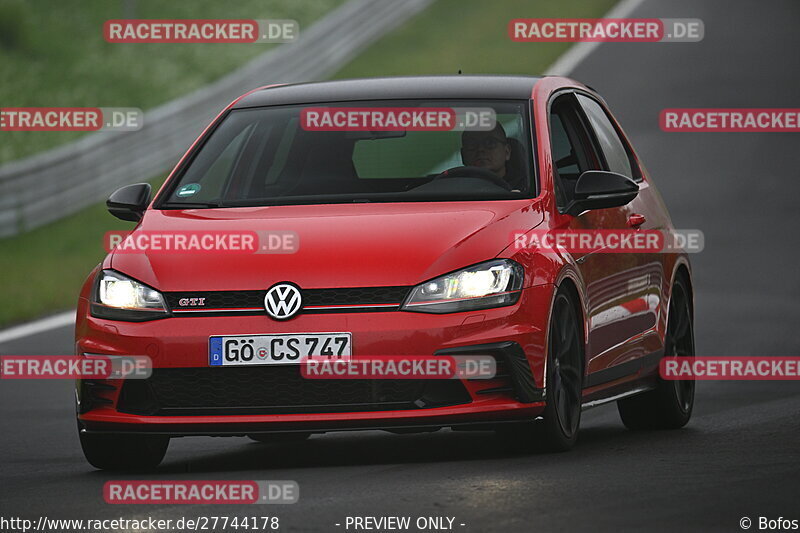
[
  {"x": 567, "y": 62},
  {"x": 38, "y": 326}
]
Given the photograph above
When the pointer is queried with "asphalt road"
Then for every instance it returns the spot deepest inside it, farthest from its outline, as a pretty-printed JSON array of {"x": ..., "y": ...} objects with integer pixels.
[{"x": 740, "y": 454}]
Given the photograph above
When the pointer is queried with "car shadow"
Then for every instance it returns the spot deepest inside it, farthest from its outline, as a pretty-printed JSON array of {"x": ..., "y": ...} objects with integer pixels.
[{"x": 380, "y": 448}]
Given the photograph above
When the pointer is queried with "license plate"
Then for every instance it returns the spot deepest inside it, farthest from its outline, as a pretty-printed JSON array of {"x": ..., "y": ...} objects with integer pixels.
[{"x": 284, "y": 349}]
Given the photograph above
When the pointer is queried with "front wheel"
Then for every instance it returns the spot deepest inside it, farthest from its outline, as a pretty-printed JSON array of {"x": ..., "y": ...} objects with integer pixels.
[
  {"x": 558, "y": 429},
  {"x": 670, "y": 405},
  {"x": 123, "y": 452},
  {"x": 564, "y": 387}
]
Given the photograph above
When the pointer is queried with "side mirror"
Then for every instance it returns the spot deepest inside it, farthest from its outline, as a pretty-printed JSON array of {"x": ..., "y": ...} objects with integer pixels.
[
  {"x": 129, "y": 202},
  {"x": 598, "y": 189}
]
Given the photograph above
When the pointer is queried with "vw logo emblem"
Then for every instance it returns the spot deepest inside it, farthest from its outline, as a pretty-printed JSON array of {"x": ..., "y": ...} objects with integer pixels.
[{"x": 283, "y": 301}]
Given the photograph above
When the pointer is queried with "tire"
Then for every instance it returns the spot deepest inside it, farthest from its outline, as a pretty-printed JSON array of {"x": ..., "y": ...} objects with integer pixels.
[
  {"x": 564, "y": 386},
  {"x": 670, "y": 404},
  {"x": 272, "y": 438},
  {"x": 558, "y": 431},
  {"x": 123, "y": 452}
]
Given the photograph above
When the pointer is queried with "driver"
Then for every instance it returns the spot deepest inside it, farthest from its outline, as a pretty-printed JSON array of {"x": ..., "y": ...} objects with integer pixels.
[{"x": 490, "y": 150}]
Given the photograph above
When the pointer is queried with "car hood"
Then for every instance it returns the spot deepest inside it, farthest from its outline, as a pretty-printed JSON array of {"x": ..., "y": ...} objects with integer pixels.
[{"x": 339, "y": 245}]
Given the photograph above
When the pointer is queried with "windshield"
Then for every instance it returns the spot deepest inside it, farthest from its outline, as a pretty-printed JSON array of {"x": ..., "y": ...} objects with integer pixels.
[{"x": 391, "y": 151}]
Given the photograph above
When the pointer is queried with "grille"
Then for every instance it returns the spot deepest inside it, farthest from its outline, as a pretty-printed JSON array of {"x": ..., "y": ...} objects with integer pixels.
[
  {"x": 93, "y": 394},
  {"x": 501, "y": 383},
  {"x": 277, "y": 390},
  {"x": 311, "y": 297},
  {"x": 354, "y": 296}
]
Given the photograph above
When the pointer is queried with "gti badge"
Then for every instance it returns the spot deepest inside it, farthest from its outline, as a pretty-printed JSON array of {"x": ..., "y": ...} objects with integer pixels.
[
  {"x": 283, "y": 301},
  {"x": 191, "y": 302}
]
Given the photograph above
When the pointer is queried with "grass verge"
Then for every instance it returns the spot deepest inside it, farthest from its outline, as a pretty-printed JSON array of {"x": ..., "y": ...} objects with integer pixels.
[
  {"x": 52, "y": 54},
  {"x": 471, "y": 36}
]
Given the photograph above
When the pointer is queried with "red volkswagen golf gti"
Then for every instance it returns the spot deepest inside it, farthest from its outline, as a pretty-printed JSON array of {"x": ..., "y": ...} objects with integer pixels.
[{"x": 396, "y": 239}]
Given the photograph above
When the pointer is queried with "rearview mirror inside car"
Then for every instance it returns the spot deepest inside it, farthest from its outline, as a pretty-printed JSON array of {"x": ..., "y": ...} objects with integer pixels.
[
  {"x": 129, "y": 202},
  {"x": 599, "y": 189}
]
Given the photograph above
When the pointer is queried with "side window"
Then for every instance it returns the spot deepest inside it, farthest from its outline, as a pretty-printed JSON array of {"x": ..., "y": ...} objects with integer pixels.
[
  {"x": 617, "y": 155},
  {"x": 570, "y": 146}
]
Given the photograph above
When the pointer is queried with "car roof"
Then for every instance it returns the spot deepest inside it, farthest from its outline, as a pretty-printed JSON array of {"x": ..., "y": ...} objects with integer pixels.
[{"x": 394, "y": 88}]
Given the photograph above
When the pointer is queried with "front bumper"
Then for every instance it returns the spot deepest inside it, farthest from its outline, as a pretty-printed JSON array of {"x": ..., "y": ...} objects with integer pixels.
[{"x": 514, "y": 335}]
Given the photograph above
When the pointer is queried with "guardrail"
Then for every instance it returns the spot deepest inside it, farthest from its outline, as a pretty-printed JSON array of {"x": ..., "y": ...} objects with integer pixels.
[{"x": 62, "y": 181}]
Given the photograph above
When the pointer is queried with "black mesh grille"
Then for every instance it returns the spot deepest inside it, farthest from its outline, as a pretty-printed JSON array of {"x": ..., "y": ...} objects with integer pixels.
[
  {"x": 311, "y": 297},
  {"x": 354, "y": 296},
  {"x": 277, "y": 390},
  {"x": 94, "y": 394}
]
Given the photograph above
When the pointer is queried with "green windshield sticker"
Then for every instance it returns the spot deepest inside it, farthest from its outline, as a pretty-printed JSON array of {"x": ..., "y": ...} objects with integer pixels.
[{"x": 188, "y": 190}]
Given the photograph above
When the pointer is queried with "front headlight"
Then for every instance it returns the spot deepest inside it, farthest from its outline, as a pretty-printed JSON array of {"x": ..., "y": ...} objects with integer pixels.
[
  {"x": 491, "y": 284},
  {"x": 118, "y": 297}
]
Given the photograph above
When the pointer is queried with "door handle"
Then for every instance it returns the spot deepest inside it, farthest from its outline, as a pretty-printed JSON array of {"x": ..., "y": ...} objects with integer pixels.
[{"x": 636, "y": 220}]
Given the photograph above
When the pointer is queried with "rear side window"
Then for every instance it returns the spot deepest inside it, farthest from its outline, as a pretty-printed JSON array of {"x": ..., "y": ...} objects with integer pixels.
[{"x": 617, "y": 156}]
